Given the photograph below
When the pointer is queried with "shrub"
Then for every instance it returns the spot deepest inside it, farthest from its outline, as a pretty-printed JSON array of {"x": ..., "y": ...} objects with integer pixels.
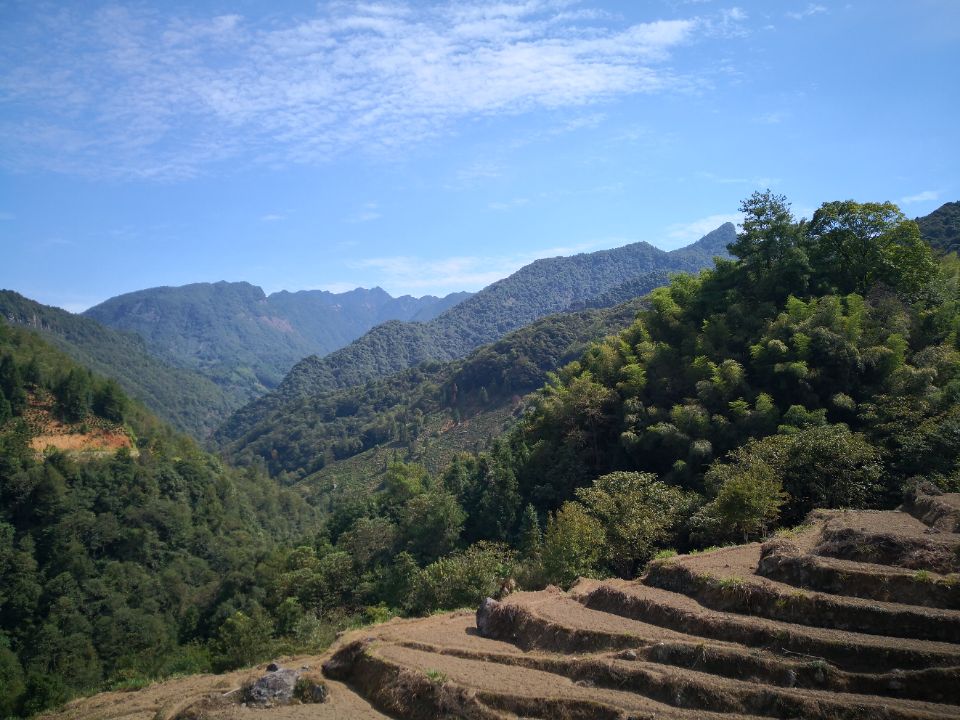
[{"x": 462, "y": 579}]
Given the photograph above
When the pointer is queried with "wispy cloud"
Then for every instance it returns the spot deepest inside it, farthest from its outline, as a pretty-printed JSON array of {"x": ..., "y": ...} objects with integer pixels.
[
  {"x": 126, "y": 92},
  {"x": 925, "y": 196},
  {"x": 7, "y": 216},
  {"x": 772, "y": 117},
  {"x": 509, "y": 204},
  {"x": 415, "y": 275},
  {"x": 273, "y": 217},
  {"x": 367, "y": 213},
  {"x": 680, "y": 234},
  {"x": 810, "y": 10},
  {"x": 761, "y": 181}
]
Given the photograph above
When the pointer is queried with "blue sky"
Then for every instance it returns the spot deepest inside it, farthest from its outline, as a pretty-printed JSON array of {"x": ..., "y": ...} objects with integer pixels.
[{"x": 432, "y": 147}]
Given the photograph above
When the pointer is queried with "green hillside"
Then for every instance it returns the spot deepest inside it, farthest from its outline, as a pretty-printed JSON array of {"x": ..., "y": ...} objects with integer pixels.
[
  {"x": 246, "y": 341},
  {"x": 819, "y": 368},
  {"x": 539, "y": 289},
  {"x": 187, "y": 400},
  {"x": 119, "y": 567},
  {"x": 941, "y": 228},
  {"x": 428, "y": 412}
]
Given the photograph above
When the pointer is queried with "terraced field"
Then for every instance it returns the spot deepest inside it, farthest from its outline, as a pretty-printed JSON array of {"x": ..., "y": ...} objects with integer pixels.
[{"x": 856, "y": 615}]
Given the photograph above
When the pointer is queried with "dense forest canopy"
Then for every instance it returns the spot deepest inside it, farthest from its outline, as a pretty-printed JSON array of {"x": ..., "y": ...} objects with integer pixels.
[
  {"x": 941, "y": 228},
  {"x": 820, "y": 366},
  {"x": 541, "y": 288},
  {"x": 301, "y": 438},
  {"x": 121, "y": 566}
]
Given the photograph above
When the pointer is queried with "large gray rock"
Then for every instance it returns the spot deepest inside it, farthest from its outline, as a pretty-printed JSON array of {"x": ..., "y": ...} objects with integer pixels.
[
  {"x": 274, "y": 688},
  {"x": 484, "y": 613}
]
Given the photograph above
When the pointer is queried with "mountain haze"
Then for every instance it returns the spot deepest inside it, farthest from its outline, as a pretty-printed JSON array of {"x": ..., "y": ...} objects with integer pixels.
[
  {"x": 244, "y": 340},
  {"x": 541, "y": 288}
]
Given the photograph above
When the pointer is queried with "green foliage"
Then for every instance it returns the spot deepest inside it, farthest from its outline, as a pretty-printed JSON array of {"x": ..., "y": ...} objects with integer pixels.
[
  {"x": 941, "y": 228},
  {"x": 187, "y": 400},
  {"x": 243, "y": 640},
  {"x": 462, "y": 579},
  {"x": 853, "y": 246},
  {"x": 116, "y": 570},
  {"x": 313, "y": 437},
  {"x": 245, "y": 341},
  {"x": 537, "y": 290},
  {"x": 844, "y": 375},
  {"x": 637, "y": 513},
  {"x": 748, "y": 499},
  {"x": 573, "y": 544}
]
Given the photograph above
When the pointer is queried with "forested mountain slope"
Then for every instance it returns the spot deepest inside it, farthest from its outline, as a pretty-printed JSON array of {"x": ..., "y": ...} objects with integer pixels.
[
  {"x": 819, "y": 368},
  {"x": 428, "y": 411},
  {"x": 541, "y": 288},
  {"x": 246, "y": 341},
  {"x": 941, "y": 228},
  {"x": 116, "y": 567},
  {"x": 186, "y": 399}
]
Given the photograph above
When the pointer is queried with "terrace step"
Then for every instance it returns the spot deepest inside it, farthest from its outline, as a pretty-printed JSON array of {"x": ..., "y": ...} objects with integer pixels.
[
  {"x": 726, "y": 580},
  {"x": 783, "y": 560}
]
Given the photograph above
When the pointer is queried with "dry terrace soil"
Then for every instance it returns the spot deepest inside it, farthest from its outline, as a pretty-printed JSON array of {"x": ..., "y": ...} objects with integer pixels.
[{"x": 854, "y": 615}]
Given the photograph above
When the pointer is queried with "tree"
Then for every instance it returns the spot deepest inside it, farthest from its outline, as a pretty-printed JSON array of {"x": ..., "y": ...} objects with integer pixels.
[
  {"x": 855, "y": 245},
  {"x": 109, "y": 401},
  {"x": 770, "y": 246},
  {"x": 243, "y": 639},
  {"x": 637, "y": 512},
  {"x": 431, "y": 524},
  {"x": 462, "y": 579},
  {"x": 11, "y": 385},
  {"x": 572, "y": 545},
  {"x": 73, "y": 395},
  {"x": 747, "y": 502}
]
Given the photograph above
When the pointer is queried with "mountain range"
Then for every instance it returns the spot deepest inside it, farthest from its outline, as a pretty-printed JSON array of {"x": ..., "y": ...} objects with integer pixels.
[
  {"x": 541, "y": 288},
  {"x": 245, "y": 340}
]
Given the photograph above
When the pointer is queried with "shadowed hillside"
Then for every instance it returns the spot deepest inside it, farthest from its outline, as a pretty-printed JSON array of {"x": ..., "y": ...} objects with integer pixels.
[{"x": 541, "y": 288}]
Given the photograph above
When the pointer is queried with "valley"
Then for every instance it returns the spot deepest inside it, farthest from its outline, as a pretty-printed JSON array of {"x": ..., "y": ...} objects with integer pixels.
[{"x": 779, "y": 405}]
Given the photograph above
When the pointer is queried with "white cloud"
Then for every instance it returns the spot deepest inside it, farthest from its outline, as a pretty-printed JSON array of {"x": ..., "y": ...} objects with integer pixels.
[
  {"x": 127, "y": 92},
  {"x": 925, "y": 196},
  {"x": 272, "y": 217},
  {"x": 773, "y": 117},
  {"x": 761, "y": 181},
  {"x": 680, "y": 234},
  {"x": 810, "y": 10}
]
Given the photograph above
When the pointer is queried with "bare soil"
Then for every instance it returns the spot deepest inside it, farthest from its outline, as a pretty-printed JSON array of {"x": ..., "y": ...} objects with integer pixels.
[{"x": 744, "y": 632}]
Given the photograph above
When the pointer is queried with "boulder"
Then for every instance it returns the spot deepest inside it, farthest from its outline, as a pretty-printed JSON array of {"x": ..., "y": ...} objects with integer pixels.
[
  {"x": 484, "y": 613},
  {"x": 274, "y": 688}
]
